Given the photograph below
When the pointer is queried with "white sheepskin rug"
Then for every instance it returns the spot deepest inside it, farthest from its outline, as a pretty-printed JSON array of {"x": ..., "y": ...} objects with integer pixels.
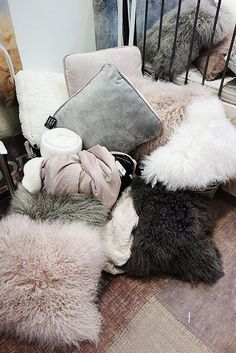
[
  {"x": 48, "y": 281},
  {"x": 117, "y": 233},
  {"x": 200, "y": 152},
  {"x": 39, "y": 95}
]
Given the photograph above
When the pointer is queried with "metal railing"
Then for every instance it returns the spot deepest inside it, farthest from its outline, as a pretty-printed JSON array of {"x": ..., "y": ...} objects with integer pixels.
[{"x": 189, "y": 62}]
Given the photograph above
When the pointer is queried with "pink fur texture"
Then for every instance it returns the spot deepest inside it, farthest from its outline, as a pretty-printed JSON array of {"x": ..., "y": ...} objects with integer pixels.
[
  {"x": 170, "y": 102},
  {"x": 48, "y": 281}
]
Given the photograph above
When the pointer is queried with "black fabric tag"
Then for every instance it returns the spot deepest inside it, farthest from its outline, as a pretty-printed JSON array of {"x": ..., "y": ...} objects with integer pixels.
[{"x": 51, "y": 122}]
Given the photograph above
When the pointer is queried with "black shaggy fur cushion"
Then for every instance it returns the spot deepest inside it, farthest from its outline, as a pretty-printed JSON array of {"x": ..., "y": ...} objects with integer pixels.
[{"x": 173, "y": 236}]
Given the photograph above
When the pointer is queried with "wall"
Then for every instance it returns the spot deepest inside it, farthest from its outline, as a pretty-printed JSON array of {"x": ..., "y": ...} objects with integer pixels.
[{"x": 47, "y": 30}]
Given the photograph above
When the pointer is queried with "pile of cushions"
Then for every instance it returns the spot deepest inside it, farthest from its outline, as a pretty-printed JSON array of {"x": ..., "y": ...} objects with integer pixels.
[
  {"x": 40, "y": 94},
  {"x": 160, "y": 225},
  {"x": 191, "y": 128}
]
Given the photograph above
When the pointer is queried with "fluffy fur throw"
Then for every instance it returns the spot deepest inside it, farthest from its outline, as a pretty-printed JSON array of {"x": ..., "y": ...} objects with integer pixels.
[
  {"x": 200, "y": 152},
  {"x": 158, "y": 61},
  {"x": 66, "y": 208},
  {"x": 115, "y": 229},
  {"x": 173, "y": 236},
  {"x": 117, "y": 233},
  {"x": 48, "y": 281},
  {"x": 170, "y": 103}
]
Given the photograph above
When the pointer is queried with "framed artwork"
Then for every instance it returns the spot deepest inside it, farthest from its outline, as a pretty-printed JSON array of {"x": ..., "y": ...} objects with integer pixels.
[
  {"x": 7, "y": 46},
  {"x": 10, "y": 63}
]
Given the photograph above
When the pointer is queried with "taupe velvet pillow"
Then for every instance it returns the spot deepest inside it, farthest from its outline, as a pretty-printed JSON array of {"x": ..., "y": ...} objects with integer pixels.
[
  {"x": 109, "y": 111},
  {"x": 80, "y": 68}
]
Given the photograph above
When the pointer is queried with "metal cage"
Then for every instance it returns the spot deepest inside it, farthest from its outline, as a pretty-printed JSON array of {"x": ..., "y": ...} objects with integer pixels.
[{"x": 159, "y": 37}]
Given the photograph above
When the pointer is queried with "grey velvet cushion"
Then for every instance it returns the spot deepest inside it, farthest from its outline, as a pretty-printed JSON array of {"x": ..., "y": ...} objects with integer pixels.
[{"x": 109, "y": 111}]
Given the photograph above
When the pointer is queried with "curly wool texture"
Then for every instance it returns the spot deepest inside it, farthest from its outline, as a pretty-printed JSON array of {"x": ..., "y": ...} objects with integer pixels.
[
  {"x": 159, "y": 61},
  {"x": 117, "y": 233},
  {"x": 200, "y": 152},
  {"x": 170, "y": 102},
  {"x": 48, "y": 281},
  {"x": 173, "y": 236},
  {"x": 65, "y": 208}
]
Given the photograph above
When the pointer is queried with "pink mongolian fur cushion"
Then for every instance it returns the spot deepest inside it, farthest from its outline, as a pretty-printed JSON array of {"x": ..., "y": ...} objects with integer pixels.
[
  {"x": 170, "y": 103},
  {"x": 49, "y": 275}
]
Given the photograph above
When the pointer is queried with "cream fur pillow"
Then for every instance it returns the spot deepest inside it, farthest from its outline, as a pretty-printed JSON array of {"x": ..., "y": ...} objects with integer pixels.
[{"x": 39, "y": 94}]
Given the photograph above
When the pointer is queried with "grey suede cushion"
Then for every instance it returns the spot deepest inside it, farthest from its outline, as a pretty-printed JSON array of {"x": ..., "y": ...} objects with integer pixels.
[{"x": 110, "y": 112}]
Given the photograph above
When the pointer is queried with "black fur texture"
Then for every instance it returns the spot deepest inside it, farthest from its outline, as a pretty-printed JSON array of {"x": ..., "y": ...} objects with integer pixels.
[{"x": 173, "y": 236}]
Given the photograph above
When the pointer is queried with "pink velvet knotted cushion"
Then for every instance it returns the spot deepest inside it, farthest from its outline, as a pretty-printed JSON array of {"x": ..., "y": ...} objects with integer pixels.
[{"x": 92, "y": 172}]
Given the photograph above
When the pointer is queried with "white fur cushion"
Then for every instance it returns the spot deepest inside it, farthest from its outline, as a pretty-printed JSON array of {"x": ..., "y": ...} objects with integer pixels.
[
  {"x": 200, "y": 152},
  {"x": 39, "y": 94},
  {"x": 48, "y": 281}
]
